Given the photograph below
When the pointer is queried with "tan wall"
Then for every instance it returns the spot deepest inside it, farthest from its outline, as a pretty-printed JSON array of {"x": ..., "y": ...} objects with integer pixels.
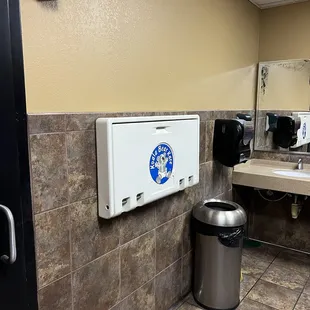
[
  {"x": 284, "y": 32},
  {"x": 139, "y": 55}
]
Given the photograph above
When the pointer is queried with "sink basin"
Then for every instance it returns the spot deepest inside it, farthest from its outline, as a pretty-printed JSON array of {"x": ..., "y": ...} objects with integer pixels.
[{"x": 293, "y": 173}]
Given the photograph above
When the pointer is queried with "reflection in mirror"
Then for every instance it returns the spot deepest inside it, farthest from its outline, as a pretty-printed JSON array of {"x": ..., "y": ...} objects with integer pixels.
[{"x": 282, "y": 110}]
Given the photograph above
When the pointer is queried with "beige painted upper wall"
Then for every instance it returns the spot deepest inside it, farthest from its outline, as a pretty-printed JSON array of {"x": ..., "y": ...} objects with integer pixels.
[
  {"x": 284, "y": 32},
  {"x": 132, "y": 55}
]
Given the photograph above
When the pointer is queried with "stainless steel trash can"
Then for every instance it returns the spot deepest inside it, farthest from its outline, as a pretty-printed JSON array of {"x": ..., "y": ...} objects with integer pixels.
[{"x": 219, "y": 229}]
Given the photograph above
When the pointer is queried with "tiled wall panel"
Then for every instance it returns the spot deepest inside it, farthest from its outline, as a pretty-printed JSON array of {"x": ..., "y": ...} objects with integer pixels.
[{"x": 139, "y": 260}]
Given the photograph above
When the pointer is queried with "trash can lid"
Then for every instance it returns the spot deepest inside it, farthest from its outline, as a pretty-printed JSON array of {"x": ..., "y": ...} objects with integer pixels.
[{"x": 222, "y": 213}]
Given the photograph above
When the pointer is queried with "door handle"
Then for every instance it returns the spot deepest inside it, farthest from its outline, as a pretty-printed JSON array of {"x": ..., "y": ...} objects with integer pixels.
[{"x": 11, "y": 224}]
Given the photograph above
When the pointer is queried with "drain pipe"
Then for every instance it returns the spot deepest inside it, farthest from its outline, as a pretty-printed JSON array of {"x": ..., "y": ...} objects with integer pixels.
[{"x": 295, "y": 208}]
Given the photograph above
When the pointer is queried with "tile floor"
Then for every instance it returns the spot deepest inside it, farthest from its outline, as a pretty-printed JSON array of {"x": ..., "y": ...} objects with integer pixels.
[{"x": 272, "y": 279}]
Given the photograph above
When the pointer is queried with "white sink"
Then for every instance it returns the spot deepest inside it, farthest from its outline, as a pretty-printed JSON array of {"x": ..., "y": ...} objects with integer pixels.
[{"x": 293, "y": 173}]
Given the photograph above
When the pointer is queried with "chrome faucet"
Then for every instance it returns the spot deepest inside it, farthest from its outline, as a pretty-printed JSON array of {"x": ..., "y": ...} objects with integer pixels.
[{"x": 300, "y": 164}]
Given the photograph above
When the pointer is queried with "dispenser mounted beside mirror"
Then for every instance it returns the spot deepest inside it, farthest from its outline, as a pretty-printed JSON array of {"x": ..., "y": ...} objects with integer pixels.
[
  {"x": 232, "y": 140},
  {"x": 289, "y": 132}
]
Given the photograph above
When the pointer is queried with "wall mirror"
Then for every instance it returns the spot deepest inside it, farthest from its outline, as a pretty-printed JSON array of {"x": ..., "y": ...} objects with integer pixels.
[{"x": 283, "y": 106}]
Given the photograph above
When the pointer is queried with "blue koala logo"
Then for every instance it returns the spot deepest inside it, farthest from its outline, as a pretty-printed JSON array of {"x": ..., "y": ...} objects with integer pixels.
[{"x": 161, "y": 163}]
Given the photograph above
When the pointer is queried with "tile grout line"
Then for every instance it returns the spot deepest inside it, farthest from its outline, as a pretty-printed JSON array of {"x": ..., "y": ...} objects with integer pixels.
[
  {"x": 284, "y": 267},
  {"x": 134, "y": 239},
  {"x": 94, "y": 260},
  {"x": 119, "y": 274},
  {"x": 118, "y": 247},
  {"x": 119, "y": 258},
  {"x": 260, "y": 278},
  {"x": 120, "y": 301},
  {"x": 96, "y": 196},
  {"x": 154, "y": 292},
  {"x": 178, "y": 216},
  {"x": 155, "y": 229},
  {"x": 66, "y": 121},
  {"x": 297, "y": 300},
  {"x": 66, "y": 205},
  {"x": 155, "y": 233},
  {"x": 178, "y": 305},
  {"x": 54, "y": 281},
  {"x": 302, "y": 292},
  {"x": 182, "y": 256},
  {"x": 71, "y": 273},
  {"x": 185, "y": 300},
  {"x": 70, "y": 220},
  {"x": 50, "y": 210},
  {"x": 156, "y": 274},
  {"x": 279, "y": 284},
  {"x": 33, "y": 214},
  {"x": 152, "y": 279},
  {"x": 60, "y": 132}
]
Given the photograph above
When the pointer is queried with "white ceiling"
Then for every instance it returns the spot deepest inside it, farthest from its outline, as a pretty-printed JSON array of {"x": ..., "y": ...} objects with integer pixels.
[{"x": 265, "y": 4}]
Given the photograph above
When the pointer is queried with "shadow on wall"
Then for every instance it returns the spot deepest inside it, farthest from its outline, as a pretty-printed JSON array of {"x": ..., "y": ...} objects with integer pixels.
[{"x": 49, "y": 5}]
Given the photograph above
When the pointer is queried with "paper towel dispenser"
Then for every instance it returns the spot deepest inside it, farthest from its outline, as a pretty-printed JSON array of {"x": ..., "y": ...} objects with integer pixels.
[
  {"x": 285, "y": 134},
  {"x": 232, "y": 140},
  {"x": 142, "y": 159}
]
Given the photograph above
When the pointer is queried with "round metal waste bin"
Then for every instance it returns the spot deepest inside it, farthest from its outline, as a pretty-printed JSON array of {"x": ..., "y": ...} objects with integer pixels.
[{"x": 219, "y": 229}]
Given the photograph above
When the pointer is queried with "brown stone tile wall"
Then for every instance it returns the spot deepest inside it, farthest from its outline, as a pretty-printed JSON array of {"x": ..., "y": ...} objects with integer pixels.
[
  {"x": 139, "y": 260},
  {"x": 272, "y": 222}
]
